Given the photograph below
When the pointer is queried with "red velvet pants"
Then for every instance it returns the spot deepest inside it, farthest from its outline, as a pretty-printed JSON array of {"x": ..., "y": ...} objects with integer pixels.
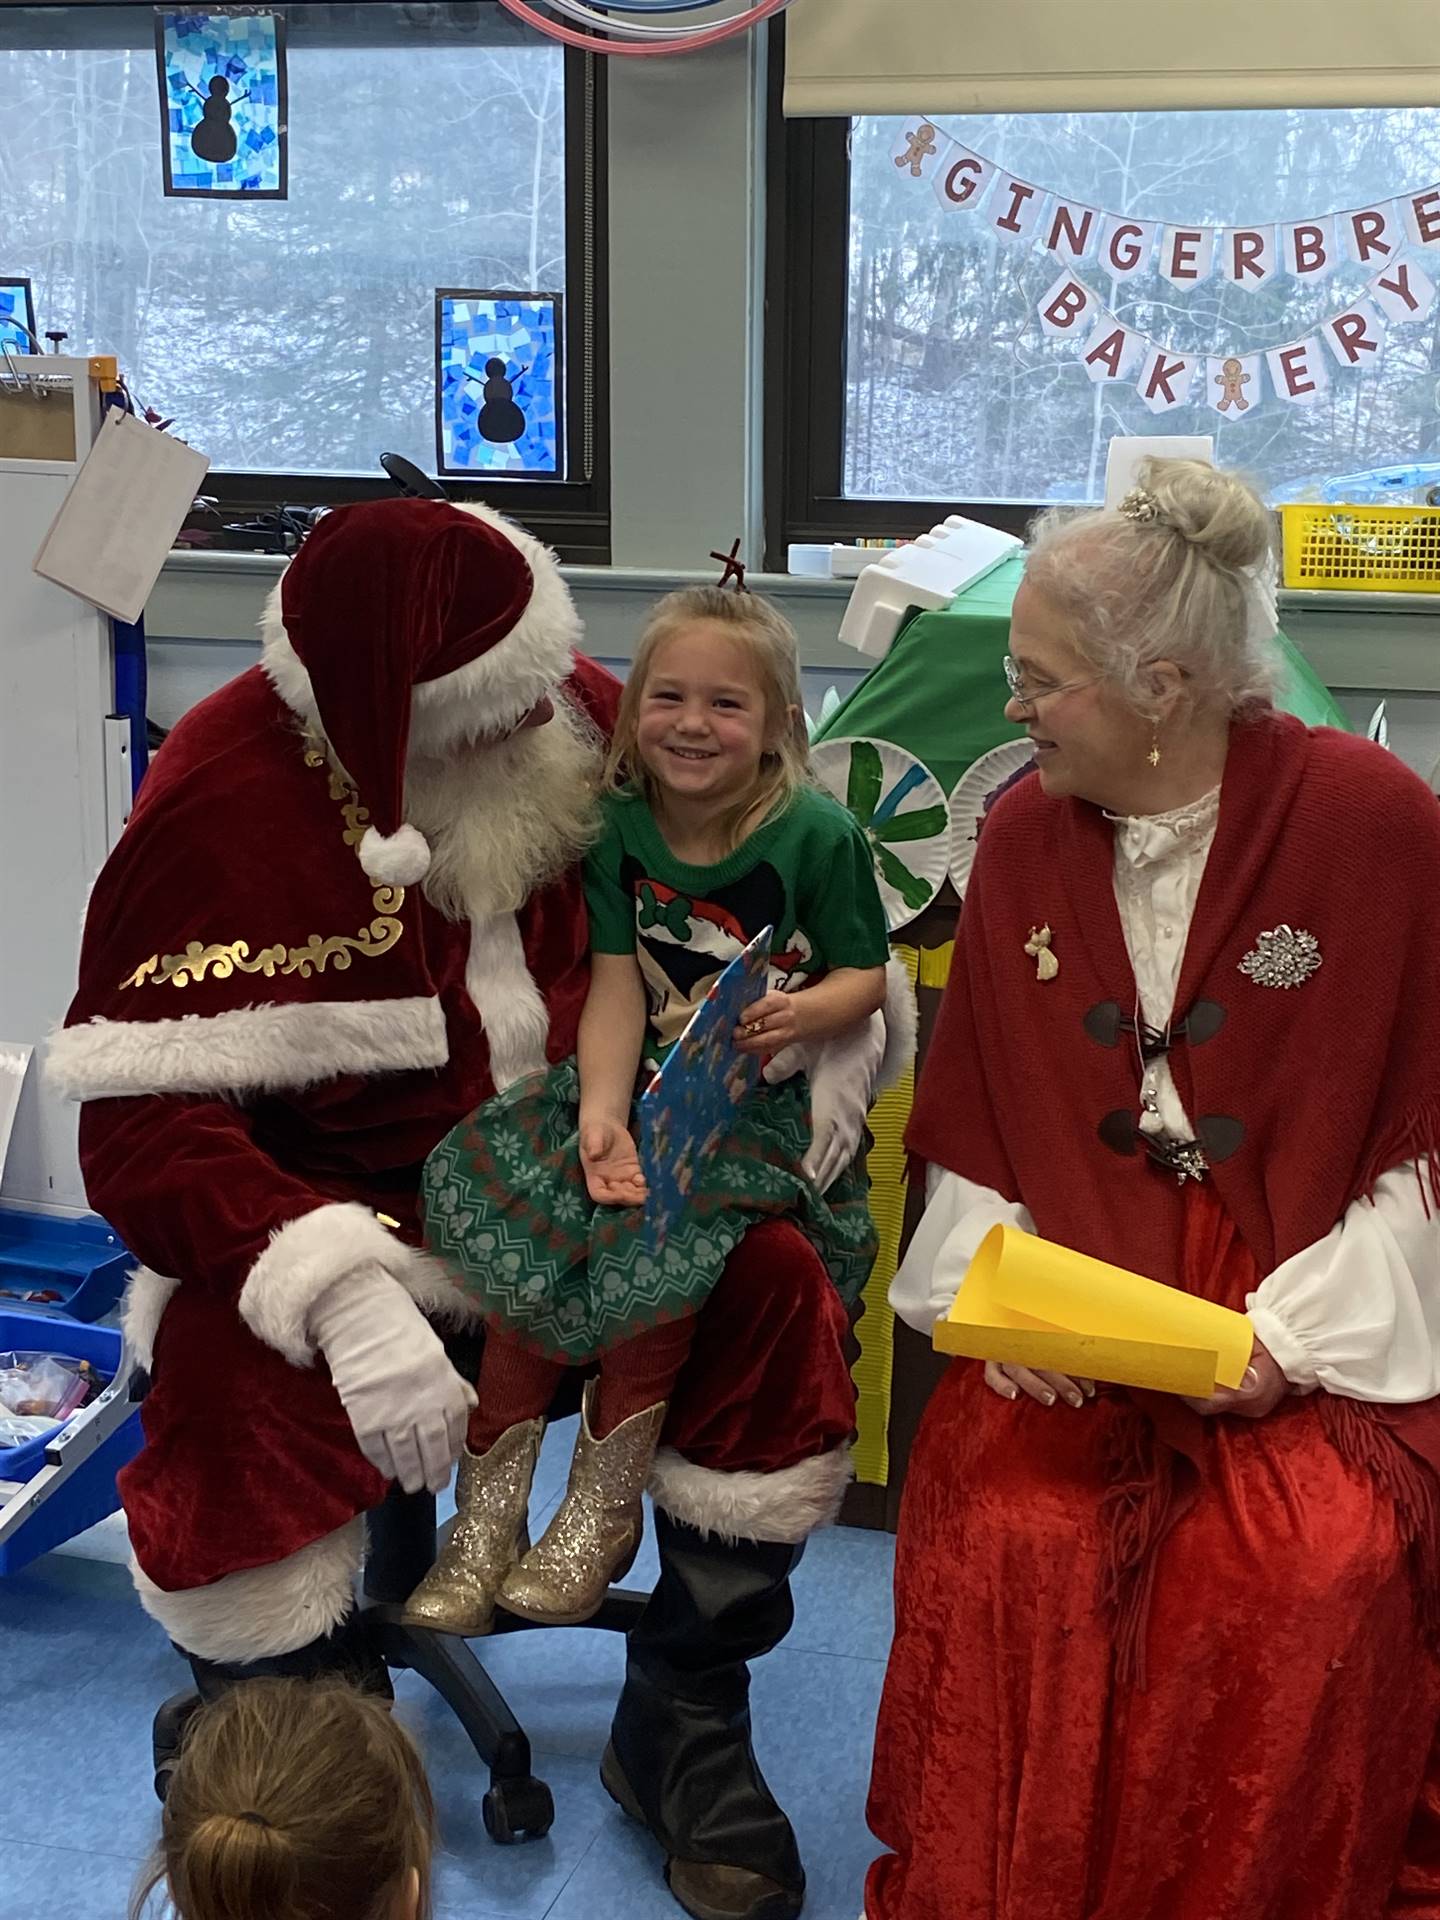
[{"x": 1279, "y": 1765}]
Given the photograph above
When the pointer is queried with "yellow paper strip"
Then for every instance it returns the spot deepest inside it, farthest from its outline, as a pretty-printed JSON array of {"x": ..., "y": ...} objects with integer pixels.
[
  {"x": 873, "y": 1371},
  {"x": 935, "y": 965},
  {"x": 1126, "y": 1363}
]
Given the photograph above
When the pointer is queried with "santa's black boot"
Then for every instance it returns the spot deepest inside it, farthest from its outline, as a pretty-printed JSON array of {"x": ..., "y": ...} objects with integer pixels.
[
  {"x": 346, "y": 1653},
  {"x": 680, "y": 1759}
]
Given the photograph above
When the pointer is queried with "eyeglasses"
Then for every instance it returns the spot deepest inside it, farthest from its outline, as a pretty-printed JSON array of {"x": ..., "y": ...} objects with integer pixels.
[{"x": 1028, "y": 702}]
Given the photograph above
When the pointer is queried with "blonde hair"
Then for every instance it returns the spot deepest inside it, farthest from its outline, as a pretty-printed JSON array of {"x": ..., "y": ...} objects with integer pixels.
[
  {"x": 769, "y": 640},
  {"x": 1171, "y": 580},
  {"x": 294, "y": 1800}
]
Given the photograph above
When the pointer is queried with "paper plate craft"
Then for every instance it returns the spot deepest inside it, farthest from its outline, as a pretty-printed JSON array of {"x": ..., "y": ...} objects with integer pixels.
[
  {"x": 901, "y": 806},
  {"x": 1027, "y": 1302},
  {"x": 976, "y": 791}
]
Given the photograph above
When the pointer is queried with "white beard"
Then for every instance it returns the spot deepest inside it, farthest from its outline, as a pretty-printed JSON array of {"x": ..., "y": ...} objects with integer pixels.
[{"x": 503, "y": 817}]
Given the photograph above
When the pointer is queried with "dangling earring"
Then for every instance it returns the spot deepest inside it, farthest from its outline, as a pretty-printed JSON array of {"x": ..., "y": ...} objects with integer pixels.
[{"x": 1154, "y": 754}]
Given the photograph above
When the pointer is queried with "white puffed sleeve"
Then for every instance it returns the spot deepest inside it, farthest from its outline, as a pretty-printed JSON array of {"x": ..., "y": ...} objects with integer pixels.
[
  {"x": 1358, "y": 1312},
  {"x": 957, "y": 1217}
]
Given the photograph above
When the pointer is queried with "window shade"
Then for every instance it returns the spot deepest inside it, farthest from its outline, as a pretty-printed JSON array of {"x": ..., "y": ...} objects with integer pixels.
[{"x": 1055, "y": 56}]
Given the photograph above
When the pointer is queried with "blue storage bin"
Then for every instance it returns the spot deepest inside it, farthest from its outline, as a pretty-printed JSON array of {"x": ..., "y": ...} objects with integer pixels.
[
  {"x": 41, "y": 1333},
  {"x": 99, "y": 1440},
  {"x": 81, "y": 1261}
]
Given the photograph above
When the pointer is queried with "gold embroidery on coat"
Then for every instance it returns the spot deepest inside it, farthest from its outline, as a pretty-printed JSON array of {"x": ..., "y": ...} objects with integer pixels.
[{"x": 337, "y": 949}]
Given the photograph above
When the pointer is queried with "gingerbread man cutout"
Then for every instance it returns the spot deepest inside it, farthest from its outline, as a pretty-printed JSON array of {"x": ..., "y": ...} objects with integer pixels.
[
  {"x": 922, "y": 145},
  {"x": 1232, "y": 377}
]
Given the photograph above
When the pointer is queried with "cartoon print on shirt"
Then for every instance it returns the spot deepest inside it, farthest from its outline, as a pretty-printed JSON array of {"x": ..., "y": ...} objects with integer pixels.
[{"x": 684, "y": 944}]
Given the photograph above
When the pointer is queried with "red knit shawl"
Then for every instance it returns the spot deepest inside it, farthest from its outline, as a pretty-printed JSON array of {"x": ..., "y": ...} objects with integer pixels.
[{"x": 1302, "y": 1096}]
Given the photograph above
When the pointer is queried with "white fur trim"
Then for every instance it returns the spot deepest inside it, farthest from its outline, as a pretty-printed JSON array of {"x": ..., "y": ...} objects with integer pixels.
[
  {"x": 499, "y": 982},
  {"x": 305, "y": 1257},
  {"x": 531, "y": 661},
  {"x": 788, "y": 1505},
  {"x": 146, "y": 1299},
  {"x": 281, "y": 662},
  {"x": 263, "y": 1611},
  {"x": 902, "y": 1022},
  {"x": 492, "y": 693},
  {"x": 399, "y": 859},
  {"x": 251, "y": 1050}
]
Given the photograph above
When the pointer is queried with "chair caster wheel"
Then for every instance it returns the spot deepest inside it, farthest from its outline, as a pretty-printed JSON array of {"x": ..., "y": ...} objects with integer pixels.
[{"x": 516, "y": 1810}]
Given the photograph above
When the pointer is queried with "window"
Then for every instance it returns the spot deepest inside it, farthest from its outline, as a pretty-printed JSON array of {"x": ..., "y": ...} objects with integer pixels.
[
  {"x": 922, "y": 379},
  {"x": 430, "y": 147}
]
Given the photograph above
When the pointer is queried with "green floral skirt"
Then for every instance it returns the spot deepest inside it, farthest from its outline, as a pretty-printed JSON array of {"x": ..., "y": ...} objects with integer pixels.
[{"x": 507, "y": 1212}]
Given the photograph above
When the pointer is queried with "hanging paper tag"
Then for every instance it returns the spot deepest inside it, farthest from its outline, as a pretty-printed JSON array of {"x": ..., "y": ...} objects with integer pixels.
[
  {"x": 1357, "y": 336},
  {"x": 1015, "y": 208},
  {"x": 1067, "y": 309},
  {"x": 1298, "y": 371},
  {"x": 1187, "y": 254},
  {"x": 1126, "y": 245},
  {"x": 960, "y": 178},
  {"x": 1071, "y": 230},
  {"x": 917, "y": 149},
  {"x": 1112, "y": 351},
  {"x": 1232, "y": 382},
  {"x": 1248, "y": 256},
  {"x": 1165, "y": 379},
  {"x": 1309, "y": 249},
  {"x": 1421, "y": 215},
  {"x": 1403, "y": 292},
  {"x": 1373, "y": 235}
]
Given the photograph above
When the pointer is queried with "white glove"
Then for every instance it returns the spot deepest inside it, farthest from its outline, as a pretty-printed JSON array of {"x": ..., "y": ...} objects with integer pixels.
[
  {"x": 844, "y": 1072},
  {"x": 406, "y": 1402}
]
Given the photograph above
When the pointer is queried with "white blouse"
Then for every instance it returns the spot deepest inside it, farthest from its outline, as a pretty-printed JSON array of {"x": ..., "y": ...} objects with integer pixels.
[{"x": 1359, "y": 1311}]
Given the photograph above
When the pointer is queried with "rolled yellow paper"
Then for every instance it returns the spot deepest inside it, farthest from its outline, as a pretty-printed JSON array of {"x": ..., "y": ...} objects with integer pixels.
[{"x": 1028, "y": 1302}]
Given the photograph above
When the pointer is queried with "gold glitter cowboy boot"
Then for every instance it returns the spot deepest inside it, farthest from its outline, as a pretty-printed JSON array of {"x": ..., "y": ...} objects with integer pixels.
[
  {"x": 596, "y": 1530},
  {"x": 492, "y": 1495}
]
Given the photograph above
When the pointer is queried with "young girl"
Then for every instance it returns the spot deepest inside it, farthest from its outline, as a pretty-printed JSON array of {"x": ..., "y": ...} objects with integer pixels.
[
  {"x": 711, "y": 832},
  {"x": 295, "y": 1800}
]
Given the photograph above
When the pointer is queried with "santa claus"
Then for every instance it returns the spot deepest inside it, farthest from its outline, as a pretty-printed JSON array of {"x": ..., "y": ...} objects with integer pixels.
[{"x": 346, "y": 911}]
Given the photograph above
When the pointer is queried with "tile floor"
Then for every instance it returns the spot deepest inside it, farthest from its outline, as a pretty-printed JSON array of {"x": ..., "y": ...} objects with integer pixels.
[{"x": 82, "y": 1671}]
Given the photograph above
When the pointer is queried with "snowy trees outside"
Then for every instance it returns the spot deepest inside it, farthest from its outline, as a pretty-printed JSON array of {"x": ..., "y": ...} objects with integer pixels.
[
  {"x": 295, "y": 336},
  {"x": 954, "y": 393}
]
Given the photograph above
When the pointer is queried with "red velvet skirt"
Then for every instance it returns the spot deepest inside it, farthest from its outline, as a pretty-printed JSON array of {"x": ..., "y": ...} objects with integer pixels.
[{"x": 1279, "y": 1762}]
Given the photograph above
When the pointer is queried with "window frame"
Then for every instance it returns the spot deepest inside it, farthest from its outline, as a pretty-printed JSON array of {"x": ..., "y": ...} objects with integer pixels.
[
  {"x": 807, "y": 301},
  {"x": 571, "y": 515}
]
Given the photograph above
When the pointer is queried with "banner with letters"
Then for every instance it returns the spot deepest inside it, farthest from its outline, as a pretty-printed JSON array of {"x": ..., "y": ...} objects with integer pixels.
[{"x": 1394, "y": 240}]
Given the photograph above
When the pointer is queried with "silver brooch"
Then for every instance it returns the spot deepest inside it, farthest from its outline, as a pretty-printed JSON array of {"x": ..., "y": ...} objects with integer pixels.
[{"x": 1284, "y": 957}]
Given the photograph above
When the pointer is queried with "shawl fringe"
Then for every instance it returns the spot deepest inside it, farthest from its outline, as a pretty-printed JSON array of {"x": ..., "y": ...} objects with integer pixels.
[
  {"x": 1414, "y": 1136},
  {"x": 1359, "y": 1435},
  {"x": 1140, "y": 1506}
]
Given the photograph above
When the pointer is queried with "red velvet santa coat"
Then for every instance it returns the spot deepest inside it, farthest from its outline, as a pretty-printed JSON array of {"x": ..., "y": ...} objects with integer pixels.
[{"x": 268, "y": 1045}]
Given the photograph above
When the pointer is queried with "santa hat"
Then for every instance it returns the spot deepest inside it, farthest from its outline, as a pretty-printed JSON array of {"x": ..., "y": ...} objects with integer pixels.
[{"x": 400, "y": 601}]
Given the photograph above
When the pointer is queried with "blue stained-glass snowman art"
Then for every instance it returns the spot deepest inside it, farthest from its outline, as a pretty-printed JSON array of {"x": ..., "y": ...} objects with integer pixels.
[
  {"x": 498, "y": 393},
  {"x": 223, "y": 103}
]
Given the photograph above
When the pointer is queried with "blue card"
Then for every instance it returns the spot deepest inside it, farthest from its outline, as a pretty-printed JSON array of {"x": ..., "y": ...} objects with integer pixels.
[{"x": 688, "y": 1107}]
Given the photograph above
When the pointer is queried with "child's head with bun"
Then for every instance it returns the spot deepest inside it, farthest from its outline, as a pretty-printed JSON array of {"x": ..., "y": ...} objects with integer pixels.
[{"x": 295, "y": 1801}]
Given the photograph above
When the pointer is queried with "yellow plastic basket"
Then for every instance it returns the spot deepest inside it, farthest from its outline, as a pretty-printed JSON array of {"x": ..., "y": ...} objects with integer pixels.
[{"x": 1362, "y": 549}]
